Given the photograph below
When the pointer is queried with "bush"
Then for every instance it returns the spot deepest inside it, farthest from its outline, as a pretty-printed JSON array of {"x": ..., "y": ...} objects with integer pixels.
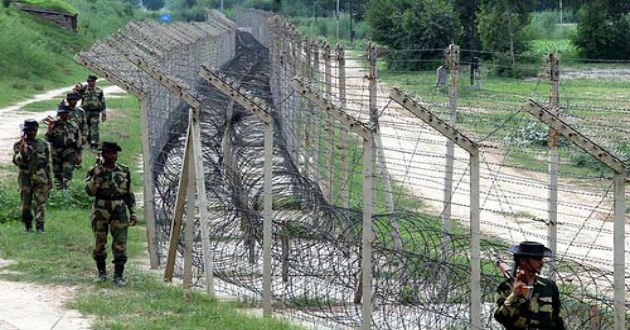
[
  {"x": 530, "y": 134},
  {"x": 10, "y": 205},
  {"x": 602, "y": 32}
]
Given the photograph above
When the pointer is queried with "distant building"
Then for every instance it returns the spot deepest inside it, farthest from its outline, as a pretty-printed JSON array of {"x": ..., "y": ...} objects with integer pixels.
[{"x": 60, "y": 18}]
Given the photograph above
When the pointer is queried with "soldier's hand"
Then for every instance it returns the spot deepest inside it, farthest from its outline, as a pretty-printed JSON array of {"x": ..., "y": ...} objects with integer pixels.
[
  {"x": 133, "y": 219},
  {"x": 83, "y": 141},
  {"x": 23, "y": 147},
  {"x": 98, "y": 169},
  {"x": 51, "y": 126},
  {"x": 103, "y": 117},
  {"x": 520, "y": 287},
  {"x": 49, "y": 183},
  {"x": 79, "y": 159}
]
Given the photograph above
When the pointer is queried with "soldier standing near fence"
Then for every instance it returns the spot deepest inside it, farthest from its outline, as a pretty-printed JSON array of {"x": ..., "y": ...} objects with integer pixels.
[
  {"x": 32, "y": 156},
  {"x": 110, "y": 184},
  {"x": 65, "y": 138},
  {"x": 93, "y": 102},
  {"x": 529, "y": 301}
]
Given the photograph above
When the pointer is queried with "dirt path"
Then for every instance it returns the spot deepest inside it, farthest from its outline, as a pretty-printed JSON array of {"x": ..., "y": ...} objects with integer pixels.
[
  {"x": 13, "y": 116},
  {"x": 25, "y": 306},
  {"x": 510, "y": 197}
]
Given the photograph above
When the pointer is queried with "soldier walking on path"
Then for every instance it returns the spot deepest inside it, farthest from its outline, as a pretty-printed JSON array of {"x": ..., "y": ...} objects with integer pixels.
[
  {"x": 93, "y": 102},
  {"x": 65, "y": 139},
  {"x": 32, "y": 156},
  {"x": 528, "y": 301},
  {"x": 77, "y": 114},
  {"x": 110, "y": 184}
]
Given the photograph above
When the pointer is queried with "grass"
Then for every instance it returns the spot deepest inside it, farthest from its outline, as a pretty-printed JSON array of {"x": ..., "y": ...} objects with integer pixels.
[
  {"x": 43, "y": 106},
  {"x": 63, "y": 255},
  {"x": 57, "y": 5}
]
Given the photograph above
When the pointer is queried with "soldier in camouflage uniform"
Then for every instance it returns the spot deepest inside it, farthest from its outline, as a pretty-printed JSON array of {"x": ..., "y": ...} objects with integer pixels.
[
  {"x": 65, "y": 138},
  {"x": 93, "y": 102},
  {"x": 529, "y": 301},
  {"x": 110, "y": 184},
  {"x": 32, "y": 156},
  {"x": 77, "y": 114}
]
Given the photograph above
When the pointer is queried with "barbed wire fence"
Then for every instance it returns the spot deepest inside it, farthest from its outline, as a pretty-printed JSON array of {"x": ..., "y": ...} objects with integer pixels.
[{"x": 341, "y": 202}]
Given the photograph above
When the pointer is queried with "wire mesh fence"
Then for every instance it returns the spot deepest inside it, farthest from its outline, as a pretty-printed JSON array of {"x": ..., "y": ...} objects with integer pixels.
[{"x": 421, "y": 244}]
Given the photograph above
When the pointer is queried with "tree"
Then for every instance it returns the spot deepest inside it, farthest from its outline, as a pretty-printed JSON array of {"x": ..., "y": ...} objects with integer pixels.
[
  {"x": 414, "y": 30},
  {"x": 154, "y": 4},
  {"x": 500, "y": 26},
  {"x": 602, "y": 30}
]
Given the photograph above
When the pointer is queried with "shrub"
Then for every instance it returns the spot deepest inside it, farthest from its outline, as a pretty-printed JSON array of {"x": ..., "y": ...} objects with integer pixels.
[{"x": 10, "y": 205}]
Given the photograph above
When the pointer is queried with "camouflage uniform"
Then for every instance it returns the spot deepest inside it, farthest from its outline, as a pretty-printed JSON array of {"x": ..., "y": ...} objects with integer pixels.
[
  {"x": 65, "y": 139},
  {"x": 539, "y": 310},
  {"x": 112, "y": 191},
  {"x": 33, "y": 180},
  {"x": 77, "y": 114},
  {"x": 93, "y": 102}
]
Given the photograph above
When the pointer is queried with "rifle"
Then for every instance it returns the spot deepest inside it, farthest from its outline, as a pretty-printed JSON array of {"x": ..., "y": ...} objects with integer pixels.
[
  {"x": 505, "y": 269},
  {"x": 49, "y": 120}
]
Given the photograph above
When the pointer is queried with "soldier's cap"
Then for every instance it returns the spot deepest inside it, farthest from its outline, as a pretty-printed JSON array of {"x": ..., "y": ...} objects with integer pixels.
[
  {"x": 530, "y": 249},
  {"x": 62, "y": 108},
  {"x": 30, "y": 124},
  {"x": 110, "y": 147},
  {"x": 72, "y": 96},
  {"x": 91, "y": 78}
]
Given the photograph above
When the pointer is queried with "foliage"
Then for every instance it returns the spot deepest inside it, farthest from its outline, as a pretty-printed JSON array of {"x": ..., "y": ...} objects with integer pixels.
[
  {"x": 154, "y": 4},
  {"x": 50, "y": 4},
  {"x": 544, "y": 25},
  {"x": 327, "y": 27},
  {"x": 405, "y": 25},
  {"x": 602, "y": 31},
  {"x": 9, "y": 205},
  {"x": 541, "y": 48},
  {"x": 530, "y": 134}
]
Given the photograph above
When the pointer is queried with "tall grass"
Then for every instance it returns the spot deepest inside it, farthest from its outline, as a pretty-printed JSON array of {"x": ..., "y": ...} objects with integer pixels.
[{"x": 545, "y": 25}]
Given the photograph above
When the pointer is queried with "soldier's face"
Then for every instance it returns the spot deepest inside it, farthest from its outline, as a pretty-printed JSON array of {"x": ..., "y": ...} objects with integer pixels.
[
  {"x": 110, "y": 157},
  {"x": 91, "y": 83},
  {"x": 72, "y": 103},
  {"x": 30, "y": 133},
  {"x": 64, "y": 116},
  {"x": 533, "y": 264}
]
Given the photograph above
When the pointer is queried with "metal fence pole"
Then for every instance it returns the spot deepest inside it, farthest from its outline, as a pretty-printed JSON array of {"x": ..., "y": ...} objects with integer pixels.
[
  {"x": 552, "y": 228},
  {"x": 149, "y": 189},
  {"x": 619, "y": 251},
  {"x": 475, "y": 243},
  {"x": 267, "y": 219},
  {"x": 368, "y": 234}
]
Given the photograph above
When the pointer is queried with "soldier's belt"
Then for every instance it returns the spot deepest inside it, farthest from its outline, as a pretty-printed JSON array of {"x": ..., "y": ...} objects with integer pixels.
[{"x": 110, "y": 197}]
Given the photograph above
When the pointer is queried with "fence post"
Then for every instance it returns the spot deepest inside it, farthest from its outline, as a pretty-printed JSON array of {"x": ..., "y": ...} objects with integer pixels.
[
  {"x": 619, "y": 251},
  {"x": 378, "y": 146},
  {"x": 317, "y": 123},
  {"x": 267, "y": 218},
  {"x": 190, "y": 221},
  {"x": 552, "y": 227},
  {"x": 343, "y": 134},
  {"x": 330, "y": 125},
  {"x": 307, "y": 122},
  {"x": 368, "y": 234},
  {"x": 452, "y": 60},
  {"x": 475, "y": 242},
  {"x": 149, "y": 189}
]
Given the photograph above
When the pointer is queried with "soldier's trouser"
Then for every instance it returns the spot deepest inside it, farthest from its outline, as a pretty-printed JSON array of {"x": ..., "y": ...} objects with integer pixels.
[
  {"x": 110, "y": 216},
  {"x": 63, "y": 161},
  {"x": 33, "y": 190},
  {"x": 92, "y": 122}
]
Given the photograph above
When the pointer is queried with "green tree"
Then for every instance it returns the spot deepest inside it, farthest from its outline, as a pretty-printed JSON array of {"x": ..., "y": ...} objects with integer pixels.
[
  {"x": 603, "y": 30},
  {"x": 500, "y": 27},
  {"x": 154, "y": 4},
  {"x": 416, "y": 31}
]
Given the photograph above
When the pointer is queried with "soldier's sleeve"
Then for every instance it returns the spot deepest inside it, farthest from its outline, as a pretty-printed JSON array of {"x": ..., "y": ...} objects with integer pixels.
[
  {"x": 507, "y": 306},
  {"x": 84, "y": 128},
  {"x": 18, "y": 160},
  {"x": 101, "y": 97},
  {"x": 48, "y": 167},
  {"x": 557, "y": 313},
  {"x": 49, "y": 135},
  {"x": 130, "y": 198},
  {"x": 92, "y": 182}
]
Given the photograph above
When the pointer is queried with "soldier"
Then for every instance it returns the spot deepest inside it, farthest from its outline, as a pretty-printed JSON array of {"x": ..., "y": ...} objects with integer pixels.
[
  {"x": 528, "y": 301},
  {"x": 77, "y": 114},
  {"x": 93, "y": 102},
  {"x": 65, "y": 139},
  {"x": 32, "y": 156},
  {"x": 110, "y": 184}
]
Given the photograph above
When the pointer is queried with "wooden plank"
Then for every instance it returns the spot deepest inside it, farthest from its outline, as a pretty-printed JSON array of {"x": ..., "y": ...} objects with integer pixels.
[
  {"x": 436, "y": 123},
  {"x": 176, "y": 224},
  {"x": 575, "y": 137}
]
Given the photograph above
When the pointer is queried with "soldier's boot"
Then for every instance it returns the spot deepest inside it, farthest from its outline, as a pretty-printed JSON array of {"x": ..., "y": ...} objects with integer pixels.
[
  {"x": 40, "y": 227},
  {"x": 102, "y": 271},
  {"x": 27, "y": 218},
  {"x": 118, "y": 271}
]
